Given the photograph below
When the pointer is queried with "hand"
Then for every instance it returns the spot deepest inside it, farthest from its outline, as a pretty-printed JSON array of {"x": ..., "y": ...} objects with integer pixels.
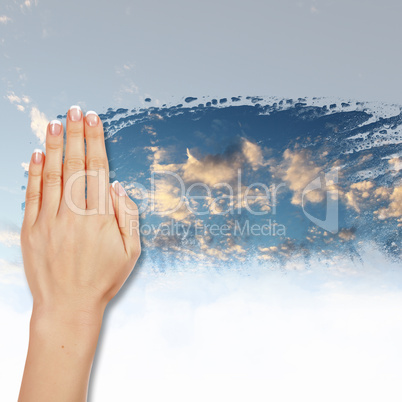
[
  {"x": 77, "y": 250},
  {"x": 75, "y": 254}
]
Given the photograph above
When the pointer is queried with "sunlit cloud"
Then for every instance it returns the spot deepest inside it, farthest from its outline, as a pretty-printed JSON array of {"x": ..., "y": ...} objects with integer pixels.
[
  {"x": 394, "y": 209},
  {"x": 364, "y": 195},
  {"x": 253, "y": 154},
  {"x": 347, "y": 234},
  {"x": 222, "y": 168},
  {"x": 298, "y": 169},
  {"x": 211, "y": 169},
  {"x": 168, "y": 201},
  {"x": 267, "y": 253},
  {"x": 395, "y": 164},
  {"x": 358, "y": 194}
]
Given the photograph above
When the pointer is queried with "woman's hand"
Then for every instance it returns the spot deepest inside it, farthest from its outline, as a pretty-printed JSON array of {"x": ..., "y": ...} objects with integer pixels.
[{"x": 78, "y": 250}]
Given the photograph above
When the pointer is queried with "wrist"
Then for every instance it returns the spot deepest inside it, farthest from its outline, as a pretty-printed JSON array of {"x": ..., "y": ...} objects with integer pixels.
[{"x": 68, "y": 321}]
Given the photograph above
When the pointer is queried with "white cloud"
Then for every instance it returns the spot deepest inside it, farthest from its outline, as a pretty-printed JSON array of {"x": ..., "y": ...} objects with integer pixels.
[
  {"x": 124, "y": 69},
  {"x": 9, "y": 238},
  {"x": 238, "y": 335},
  {"x": 130, "y": 88},
  {"x": 229, "y": 334},
  {"x": 4, "y": 19},
  {"x": 28, "y": 4},
  {"x": 13, "y": 98},
  {"x": 17, "y": 100},
  {"x": 39, "y": 123},
  {"x": 127, "y": 84},
  {"x": 25, "y": 166},
  {"x": 11, "y": 273},
  {"x": 127, "y": 87},
  {"x": 21, "y": 75}
]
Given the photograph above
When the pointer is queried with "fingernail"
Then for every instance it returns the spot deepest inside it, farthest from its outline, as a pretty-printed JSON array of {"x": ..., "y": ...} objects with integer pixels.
[
  {"x": 37, "y": 156},
  {"x": 55, "y": 127},
  {"x": 92, "y": 118},
  {"x": 118, "y": 188},
  {"x": 75, "y": 113}
]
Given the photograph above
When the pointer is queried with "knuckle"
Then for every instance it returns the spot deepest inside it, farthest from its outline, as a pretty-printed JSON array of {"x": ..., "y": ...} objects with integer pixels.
[
  {"x": 94, "y": 133},
  {"x": 75, "y": 164},
  {"x": 35, "y": 173},
  {"x": 75, "y": 131},
  {"x": 32, "y": 196},
  {"x": 96, "y": 163},
  {"x": 53, "y": 146},
  {"x": 52, "y": 178}
]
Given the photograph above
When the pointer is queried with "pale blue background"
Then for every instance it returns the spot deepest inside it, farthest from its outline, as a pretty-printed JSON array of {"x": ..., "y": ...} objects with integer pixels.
[{"x": 176, "y": 335}]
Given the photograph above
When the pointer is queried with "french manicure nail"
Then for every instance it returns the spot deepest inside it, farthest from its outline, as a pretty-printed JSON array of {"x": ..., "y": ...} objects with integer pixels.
[
  {"x": 118, "y": 188},
  {"x": 37, "y": 156},
  {"x": 92, "y": 118},
  {"x": 55, "y": 127},
  {"x": 75, "y": 113}
]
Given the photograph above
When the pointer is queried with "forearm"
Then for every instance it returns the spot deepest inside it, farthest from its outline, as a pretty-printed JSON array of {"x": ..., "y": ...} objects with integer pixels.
[{"x": 62, "y": 345}]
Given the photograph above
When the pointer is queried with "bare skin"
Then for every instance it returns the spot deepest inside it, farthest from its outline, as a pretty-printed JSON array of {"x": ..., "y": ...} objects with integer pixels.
[{"x": 78, "y": 251}]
